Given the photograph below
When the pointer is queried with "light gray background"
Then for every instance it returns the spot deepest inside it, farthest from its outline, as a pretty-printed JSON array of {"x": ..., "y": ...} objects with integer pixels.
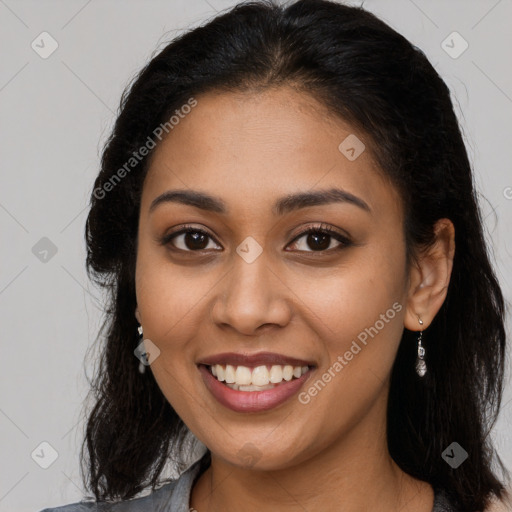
[{"x": 55, "y": 115}]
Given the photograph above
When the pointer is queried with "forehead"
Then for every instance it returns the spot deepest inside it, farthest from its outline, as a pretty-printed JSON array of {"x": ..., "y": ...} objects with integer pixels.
[{"x": 250, "y": 148}]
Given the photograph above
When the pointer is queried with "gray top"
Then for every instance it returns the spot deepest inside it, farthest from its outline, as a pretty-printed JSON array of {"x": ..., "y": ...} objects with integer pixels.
[{"x": 175, "y": 497}]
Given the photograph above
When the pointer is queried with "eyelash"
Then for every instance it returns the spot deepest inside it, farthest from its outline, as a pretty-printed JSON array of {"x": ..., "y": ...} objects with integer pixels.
[{"x": 322, "y": 229}]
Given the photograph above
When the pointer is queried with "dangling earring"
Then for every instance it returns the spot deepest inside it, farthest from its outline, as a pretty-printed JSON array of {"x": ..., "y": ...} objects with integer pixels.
[
  {"x": 142, "y": 368},
  {"x": 421, "y": 366}
]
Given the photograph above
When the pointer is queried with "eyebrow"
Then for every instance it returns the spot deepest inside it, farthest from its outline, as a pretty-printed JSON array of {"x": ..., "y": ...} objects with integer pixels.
[{"x": 282, "y": 206}]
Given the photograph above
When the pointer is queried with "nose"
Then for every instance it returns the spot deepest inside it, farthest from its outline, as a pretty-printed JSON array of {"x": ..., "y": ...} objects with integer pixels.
[{"x": 252, "y": 298}]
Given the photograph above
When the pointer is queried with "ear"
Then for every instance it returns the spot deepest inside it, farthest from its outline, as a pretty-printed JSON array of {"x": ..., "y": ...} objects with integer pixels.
[
  {"x": 137, "y": 314},
  {"x": 429, "y": 277}
]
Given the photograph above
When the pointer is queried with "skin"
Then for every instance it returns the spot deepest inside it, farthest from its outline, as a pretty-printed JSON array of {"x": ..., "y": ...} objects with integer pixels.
[{"x": 249, "y": 150}]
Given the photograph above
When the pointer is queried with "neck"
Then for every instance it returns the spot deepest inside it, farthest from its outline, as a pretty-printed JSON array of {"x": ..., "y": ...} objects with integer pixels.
[{"x": 355, "y": 473}]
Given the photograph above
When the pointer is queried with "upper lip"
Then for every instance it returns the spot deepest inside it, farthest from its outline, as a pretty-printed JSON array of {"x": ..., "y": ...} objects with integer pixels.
[{"x": 253, "y": 360}]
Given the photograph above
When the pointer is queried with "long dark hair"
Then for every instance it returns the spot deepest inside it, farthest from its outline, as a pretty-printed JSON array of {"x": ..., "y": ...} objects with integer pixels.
[{"x": 373, "y": 78}]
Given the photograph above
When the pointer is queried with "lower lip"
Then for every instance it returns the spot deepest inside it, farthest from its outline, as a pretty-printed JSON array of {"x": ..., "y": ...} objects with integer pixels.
[{"x": 251, "y": 401}]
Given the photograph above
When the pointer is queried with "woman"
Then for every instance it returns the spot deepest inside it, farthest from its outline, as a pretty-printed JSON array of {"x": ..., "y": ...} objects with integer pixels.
[{"x": 286, "y": 222}]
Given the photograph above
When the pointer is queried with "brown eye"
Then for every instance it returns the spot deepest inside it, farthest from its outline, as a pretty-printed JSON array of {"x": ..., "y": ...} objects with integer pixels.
[
  {"x": 189, "y": 240},
  {"x": 319, "y": 239}
]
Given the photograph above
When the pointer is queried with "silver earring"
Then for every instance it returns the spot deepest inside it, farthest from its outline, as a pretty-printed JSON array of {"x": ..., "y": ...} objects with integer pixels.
[
  {"x": 142, "y": 368},
  {"x": 421, "y": 366}
]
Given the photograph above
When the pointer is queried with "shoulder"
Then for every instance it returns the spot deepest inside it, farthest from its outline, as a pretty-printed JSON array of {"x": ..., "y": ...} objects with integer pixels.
[
  {"x": 174, "y": 495},
  {"x": 155, "y": 501},
  {"x": 72, "y": 507}
]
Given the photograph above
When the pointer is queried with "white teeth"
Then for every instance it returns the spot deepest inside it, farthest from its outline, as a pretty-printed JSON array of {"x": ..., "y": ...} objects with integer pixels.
[
  {"x": 276, "y": 374},
  {"x": 260, "y": 376},
  {"x": 288, "y": 372},
  {"x": 243, "y": 375},
  {"x": 243, "y": 378},
  {"x": 220, "y": 373},
  {"x": 255, "y": 388},
  {"x": 230, "y": 374}
]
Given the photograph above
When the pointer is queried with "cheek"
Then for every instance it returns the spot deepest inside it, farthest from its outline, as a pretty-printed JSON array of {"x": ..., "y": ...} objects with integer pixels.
[
  {"x": 352, "y": 297},
  {"x": 364, "y": 309},
  {"x": 169, "y": 298}
]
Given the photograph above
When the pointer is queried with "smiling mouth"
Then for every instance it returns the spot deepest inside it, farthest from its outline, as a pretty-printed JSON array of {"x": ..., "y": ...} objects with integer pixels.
[{"x": 258, "y": 378}]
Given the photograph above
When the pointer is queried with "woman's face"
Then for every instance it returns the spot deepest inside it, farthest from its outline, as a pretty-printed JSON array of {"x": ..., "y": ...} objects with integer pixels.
[{"x": 256, "y": 294}]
